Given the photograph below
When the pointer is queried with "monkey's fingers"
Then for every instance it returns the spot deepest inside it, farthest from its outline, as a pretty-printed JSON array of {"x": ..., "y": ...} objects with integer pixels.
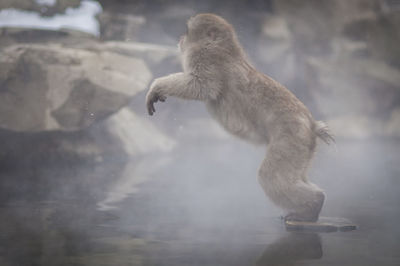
[
  {"x": 150, "y": 106},
  {"x": 153, "y": 99}
]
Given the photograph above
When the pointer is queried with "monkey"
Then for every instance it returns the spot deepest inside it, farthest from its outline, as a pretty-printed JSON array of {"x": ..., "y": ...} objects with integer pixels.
[{"x": 251, "y": 106}]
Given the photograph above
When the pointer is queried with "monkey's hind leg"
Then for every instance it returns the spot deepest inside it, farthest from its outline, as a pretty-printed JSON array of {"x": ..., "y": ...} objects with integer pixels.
[{"x": 282, "y": 177}]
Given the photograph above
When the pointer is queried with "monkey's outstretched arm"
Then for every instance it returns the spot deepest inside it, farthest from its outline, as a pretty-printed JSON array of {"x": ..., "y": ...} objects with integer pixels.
[{"x": 183, "y": 85}]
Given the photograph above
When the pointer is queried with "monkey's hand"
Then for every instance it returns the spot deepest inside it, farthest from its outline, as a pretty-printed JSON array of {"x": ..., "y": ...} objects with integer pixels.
[{"x": 154, "y": 95}]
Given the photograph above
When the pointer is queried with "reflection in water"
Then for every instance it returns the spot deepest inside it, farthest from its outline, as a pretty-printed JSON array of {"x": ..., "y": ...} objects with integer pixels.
[
  {"x": 291, "y": 248},
  {"x": 133, "y": 174},
  {"x": 185, "y": 214}
]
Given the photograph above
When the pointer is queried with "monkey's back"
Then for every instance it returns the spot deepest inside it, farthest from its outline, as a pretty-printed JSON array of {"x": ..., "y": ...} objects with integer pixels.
[{"x": 255, "y": 107}]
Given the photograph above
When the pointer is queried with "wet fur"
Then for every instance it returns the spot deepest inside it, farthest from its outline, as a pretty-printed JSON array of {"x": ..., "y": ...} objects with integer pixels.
[{"x": 252, "y": 106}]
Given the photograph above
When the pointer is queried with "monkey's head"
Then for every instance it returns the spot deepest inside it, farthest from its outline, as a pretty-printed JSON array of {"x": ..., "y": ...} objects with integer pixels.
[{"x": 209, "y": 30}]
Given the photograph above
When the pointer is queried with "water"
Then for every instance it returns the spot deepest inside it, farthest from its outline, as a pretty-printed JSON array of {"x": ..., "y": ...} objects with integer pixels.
[{"x": 200, "y": 205}]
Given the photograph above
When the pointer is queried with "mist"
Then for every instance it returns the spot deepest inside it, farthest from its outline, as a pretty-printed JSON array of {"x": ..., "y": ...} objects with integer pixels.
[{"x": 87, "y": 177}]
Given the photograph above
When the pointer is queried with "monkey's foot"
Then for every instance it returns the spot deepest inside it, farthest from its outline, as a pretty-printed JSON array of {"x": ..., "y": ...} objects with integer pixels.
[{"x": 324, "y": 224}]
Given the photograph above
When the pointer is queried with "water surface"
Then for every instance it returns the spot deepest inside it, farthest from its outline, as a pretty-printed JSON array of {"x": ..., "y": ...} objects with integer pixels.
[{"x": 200, "y": 205}]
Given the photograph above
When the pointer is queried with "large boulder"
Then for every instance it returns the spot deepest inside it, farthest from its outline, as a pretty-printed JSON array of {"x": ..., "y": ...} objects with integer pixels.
[
  {"x": 66, "y": 97},
  {"x": 51, "y": 87}
]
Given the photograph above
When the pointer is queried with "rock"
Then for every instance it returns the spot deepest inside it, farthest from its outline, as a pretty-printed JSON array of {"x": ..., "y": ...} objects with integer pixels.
[
  {"x": 381, "y": 35},
  {"x": 314, "y": 24},
  {"x": 116, "y": 139},
  {"x": 393, "y": 125},
  {"x": 154, "y": 55},
  {"x": 349, "y": 85},
  {"x": 26, "y": 150},
  {"x": 324, "y": 224},
  {"x": 10, "y": 35},
  {"x": 275, "y": 29},
  {"x": 19, "y": 4},
  {"x": 65, "y": 97},
  {"x": 356, "y": 95},
  {"x": 51, "y": 87},
  {"x": 275, "y": 48},
  {"x": 345, "y": 57},
  {"x": 122, "y": 27}
]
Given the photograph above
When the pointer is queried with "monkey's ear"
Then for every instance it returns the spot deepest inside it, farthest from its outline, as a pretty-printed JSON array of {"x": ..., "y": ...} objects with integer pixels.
[{"x": 213, "y": 33}]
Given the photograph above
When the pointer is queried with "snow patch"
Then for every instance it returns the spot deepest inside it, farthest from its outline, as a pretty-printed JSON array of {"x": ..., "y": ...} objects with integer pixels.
[{"x": 81, "y": 18}]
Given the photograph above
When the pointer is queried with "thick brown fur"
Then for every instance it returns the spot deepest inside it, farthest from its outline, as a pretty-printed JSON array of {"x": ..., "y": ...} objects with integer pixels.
[{"x": 252, "y": 106}]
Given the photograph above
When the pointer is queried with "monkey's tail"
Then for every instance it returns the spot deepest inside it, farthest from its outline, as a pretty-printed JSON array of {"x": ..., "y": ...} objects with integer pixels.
[{"x": 323, "y": 132}]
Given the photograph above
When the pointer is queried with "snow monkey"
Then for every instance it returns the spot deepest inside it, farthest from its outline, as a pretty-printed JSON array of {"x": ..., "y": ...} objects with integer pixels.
[{"x": 252, "y": 106}]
